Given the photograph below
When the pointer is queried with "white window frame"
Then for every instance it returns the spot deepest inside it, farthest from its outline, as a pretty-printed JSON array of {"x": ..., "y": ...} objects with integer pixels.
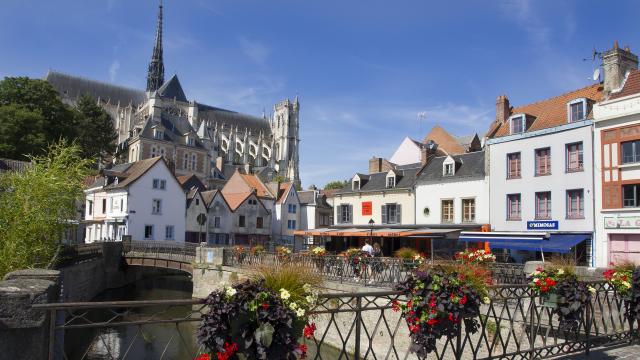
[
  {"x": 158, "y": 134},
  {"x": 520, "y": 117},
  {"x": 156, "y": 210},
  {"x": 447, "y": 169},
  {"x": 584, "y": 109},
  {"x": 169, "y": 235},
  {"x": 391, "y": 181}
]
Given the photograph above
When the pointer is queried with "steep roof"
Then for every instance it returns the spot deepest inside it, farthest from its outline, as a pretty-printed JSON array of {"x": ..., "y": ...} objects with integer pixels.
[
  {"x": 283, "y": 191},
  {"x": 190, "y": 181},
  {"x": 135, "y": 171},
  {"x": 307, "y": 196},
  {"x": 469, "y": 165},
  {"x": 255, "y": 183},
  {"x": 446, "y": 142},
  {"x": 208, "y": 196},
  {"x": 631, "y": 85},
  {"x": 235, "y": 199},
  {"x": 172, "y": 89},
  {"x": 550, "y": 112},
  {"x": 72, "y": 87},
  {"x": 378, "y": 181}
]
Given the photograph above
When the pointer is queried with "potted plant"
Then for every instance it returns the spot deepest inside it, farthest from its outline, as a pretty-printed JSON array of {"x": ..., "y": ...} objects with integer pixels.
[
  {"x": 357, "y": 260},
  {"x": 624, "y": 278},
  {"x": 475, "y": 256},
  {"x": 261, "y": 318},
  {"x": 411, "y": 259},
  {"x": 257, "y": 250},
  {"x": 318, "y": 254},
  {"x": 240, "y": 253},
  {"x": 283, "y": 253},
  {"x": 440, "y": 298}
]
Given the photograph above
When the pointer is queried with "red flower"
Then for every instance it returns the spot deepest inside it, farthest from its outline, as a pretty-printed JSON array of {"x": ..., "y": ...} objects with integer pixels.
[
  {"x": 463, "y": 300},
  {"x": 229, "y": 351},
  {"x": 303, "y": 351},
  {"x": 550, "y": 282},
  {"x": 432, "y": 321},
  {"x": 203, "y": 357},
  {"x": 395, "y": 306},
  {"x": 309, "y": 330},
  {"x": 432, "y": 304},
  {"x": 265, "y": 306},
  {"x": 450, "y": 317},
  {"x": 608, "y": 274},
  {"x": 414, "y": 328}
]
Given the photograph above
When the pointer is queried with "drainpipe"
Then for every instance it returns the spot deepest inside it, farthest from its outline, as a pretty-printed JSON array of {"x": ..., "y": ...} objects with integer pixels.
[{"x": 593, "y": 196}]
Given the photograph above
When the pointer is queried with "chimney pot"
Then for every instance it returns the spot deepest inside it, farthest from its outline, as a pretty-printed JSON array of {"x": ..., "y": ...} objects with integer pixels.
[{"x": 503, "y": 108}]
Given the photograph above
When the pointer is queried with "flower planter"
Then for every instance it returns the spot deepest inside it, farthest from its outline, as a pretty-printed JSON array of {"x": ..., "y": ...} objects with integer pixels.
[{"x": 549, "y": 300}]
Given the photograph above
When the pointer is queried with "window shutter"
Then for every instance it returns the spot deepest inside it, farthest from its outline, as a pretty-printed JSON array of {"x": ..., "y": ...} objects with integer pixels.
[
  {"x": 384, "y": 214},
  {"x": 398, "y": 214},
  {"x": 350, "y": 217}
]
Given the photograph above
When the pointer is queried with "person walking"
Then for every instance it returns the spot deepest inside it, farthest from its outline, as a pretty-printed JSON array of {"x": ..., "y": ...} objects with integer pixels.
[{"x": 367, "y": 247}]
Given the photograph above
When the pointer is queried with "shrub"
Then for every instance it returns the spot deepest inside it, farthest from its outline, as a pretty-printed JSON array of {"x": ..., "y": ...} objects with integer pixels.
[
  {"x": 406, "y": 253},
  {"x": 292, "y": 277},
  {"x": 257, "y": 249}
]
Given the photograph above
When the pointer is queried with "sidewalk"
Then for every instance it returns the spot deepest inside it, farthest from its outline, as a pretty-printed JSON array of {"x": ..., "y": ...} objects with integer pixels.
[{"x": 627, "y": 352}]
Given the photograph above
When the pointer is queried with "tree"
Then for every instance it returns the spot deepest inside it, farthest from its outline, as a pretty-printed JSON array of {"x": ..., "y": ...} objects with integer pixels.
[
  {"x": 41, "y": 115},
  {"x": 96, "y": 133},
  {"x": 336, "y": 184},
  {"x": 36, "y": 205}
]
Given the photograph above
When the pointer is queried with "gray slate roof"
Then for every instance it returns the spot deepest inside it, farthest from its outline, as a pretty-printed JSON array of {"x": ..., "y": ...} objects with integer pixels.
[
  {"x": 469, "y": 165},
  {"x": 378, "y": 181},
  {"x": 172, "y": 89},
  {"x": 72, "y": 87}
]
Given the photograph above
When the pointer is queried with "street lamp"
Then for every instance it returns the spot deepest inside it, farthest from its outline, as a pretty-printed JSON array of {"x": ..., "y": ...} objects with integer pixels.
[{"x": 371, "y": 222}]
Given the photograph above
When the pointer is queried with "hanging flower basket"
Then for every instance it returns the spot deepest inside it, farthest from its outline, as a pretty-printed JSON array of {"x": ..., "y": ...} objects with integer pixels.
[
  {"x": 549, "y": 300},
  {"x": 357, "y": 260}
]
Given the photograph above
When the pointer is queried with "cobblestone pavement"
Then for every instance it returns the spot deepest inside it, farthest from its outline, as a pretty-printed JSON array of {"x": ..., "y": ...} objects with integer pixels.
[{"x": 627, "y": 352}]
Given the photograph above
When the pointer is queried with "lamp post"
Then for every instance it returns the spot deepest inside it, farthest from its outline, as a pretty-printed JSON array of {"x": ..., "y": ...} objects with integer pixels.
[{"x": 371, "y": 222}]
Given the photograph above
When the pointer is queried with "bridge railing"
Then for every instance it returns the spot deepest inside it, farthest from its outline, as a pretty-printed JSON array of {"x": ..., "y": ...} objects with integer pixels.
[
  {"x": 374, "y": 271},
  {"x": 349, "y": 326},
  {"x": 158, "y": 249}
]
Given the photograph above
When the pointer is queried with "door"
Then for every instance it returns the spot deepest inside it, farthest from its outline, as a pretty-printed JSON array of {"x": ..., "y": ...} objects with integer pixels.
[{"x": 624, "y": 247}]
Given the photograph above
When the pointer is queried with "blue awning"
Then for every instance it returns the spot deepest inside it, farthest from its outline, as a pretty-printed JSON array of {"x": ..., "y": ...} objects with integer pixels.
[{"x": 559, "y": 243}]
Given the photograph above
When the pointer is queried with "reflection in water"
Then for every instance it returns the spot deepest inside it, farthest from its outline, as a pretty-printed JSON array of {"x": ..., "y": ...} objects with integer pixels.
[{"x": 168, "y": 341}]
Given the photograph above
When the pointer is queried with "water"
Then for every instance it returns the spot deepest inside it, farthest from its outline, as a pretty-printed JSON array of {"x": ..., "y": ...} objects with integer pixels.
[{"x": 139, "y": 342}]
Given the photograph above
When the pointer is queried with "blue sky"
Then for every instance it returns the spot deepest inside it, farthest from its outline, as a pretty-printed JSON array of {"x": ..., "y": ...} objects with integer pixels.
[{"x": 363, "y": 69}]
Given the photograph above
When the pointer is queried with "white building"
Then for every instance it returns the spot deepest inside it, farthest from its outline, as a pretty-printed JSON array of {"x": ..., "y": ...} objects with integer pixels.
[
  {"x": 286, "y": 214},
  {"x": 453, "y": 191},
  {"x": 141, "y": 199},
  {"x": 315, "y": 213},
  {"x": 541, "y": 174},
  {"x": 617, "y": 160}
]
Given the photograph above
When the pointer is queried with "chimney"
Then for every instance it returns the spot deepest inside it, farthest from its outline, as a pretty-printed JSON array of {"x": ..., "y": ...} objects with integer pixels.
[
  {"x": 616, "y": 63},
  {"x": 424, "y": 156},
  {"x": 375, "y": 165},
  {"x": 503, "y": 109},
  {"x": 427, "y": 152}
]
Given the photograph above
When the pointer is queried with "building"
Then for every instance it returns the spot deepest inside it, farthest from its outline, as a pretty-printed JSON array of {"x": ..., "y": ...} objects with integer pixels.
[
  {"x": 191, "y": 136},
  {"x": 617, "y": 160},
  {"x": 196, "y": 209},
  {"x": 315, "y": 213},
  {"x": 409, "y": 151},
  {"x": 286, "y": 215},
  {"x": 137, "y": 199},
  {"x": 541, "y": 176}
]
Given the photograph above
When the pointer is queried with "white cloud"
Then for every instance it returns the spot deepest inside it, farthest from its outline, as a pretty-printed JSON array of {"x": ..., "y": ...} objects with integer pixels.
[
  {"x": 254, "y": 50},
  {"x": 113, "y": 70}
]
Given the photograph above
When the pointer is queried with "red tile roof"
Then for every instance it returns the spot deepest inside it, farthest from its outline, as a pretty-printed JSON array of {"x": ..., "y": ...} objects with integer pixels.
[
  {"x": 283, "y": 191},
  {"x": 235, "y": 200},
  {"x": 550, "y": 112},
  {"x": 255, "y": 183},
  {"x": 631, "y": 85}
]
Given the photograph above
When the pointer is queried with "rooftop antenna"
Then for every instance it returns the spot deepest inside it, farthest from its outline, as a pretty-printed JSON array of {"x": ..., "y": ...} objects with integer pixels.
[
  {"x": 421, "y": 116},
  {"x": 595, "y": 54}
]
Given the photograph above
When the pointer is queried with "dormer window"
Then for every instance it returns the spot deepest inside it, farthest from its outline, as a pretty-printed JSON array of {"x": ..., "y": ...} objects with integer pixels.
[
  {"x": 158, "y": 134},
  {"x": 518, "y": 124},
  {"x": 577, "y": 110},
  {"x": 391, "y": 181},
  {"x": 356, "y": 184},
  {"x": 191, "y": 141},
  {"x": 448, "y": 170}
]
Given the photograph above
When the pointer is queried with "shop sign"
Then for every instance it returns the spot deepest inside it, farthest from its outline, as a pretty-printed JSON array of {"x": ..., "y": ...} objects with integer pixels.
[
  {"x": 628, "y": 222},
  {"x": 367, "y": 208},
  {"x": 542, "y": 225}
]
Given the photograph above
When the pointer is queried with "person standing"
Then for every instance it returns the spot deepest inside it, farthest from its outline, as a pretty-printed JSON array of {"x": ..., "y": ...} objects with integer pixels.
[{"x": 367, "y": 247}]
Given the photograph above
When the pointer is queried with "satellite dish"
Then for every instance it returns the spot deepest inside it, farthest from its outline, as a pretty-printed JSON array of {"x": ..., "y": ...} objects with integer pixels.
[{"x": 596, "y": 74}]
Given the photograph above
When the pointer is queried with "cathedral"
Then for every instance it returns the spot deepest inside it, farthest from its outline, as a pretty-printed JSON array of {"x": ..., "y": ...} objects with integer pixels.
[{"x": 192, "y": 137}]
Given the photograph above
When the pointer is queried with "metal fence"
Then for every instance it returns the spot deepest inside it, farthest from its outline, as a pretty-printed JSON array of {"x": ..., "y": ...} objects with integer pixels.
[
  {"x": 349, "y": 326},
  {"x": 370, "y": 271},
  {"x": 177, "y": 251}
]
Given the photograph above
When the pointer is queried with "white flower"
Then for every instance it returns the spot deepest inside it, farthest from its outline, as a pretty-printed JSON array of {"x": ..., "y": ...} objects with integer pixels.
[
  {"x": 230, "y": 291},
  {"x": 306, "y": 287},
  {"x": 536, "y": 280},
  {"x": 626, "y": 284},
  {"x": 310, "y": 299},
  {"x": 300, "y": 312},
  {"x": 486, "y": 300},
  {"x": 293, "y": 306},
  {"x": 284, "y": 294},
  {"x": 592, "y": 289},
  {"x": 560, "y": 271}
]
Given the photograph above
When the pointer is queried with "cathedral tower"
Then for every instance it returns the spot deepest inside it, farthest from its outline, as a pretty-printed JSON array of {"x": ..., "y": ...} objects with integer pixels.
[
  {"x": 285, "y": 130},
  {"x": 155, "y": 75}
]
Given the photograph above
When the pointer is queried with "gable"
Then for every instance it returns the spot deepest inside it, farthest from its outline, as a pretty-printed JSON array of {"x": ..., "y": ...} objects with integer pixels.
[{"x": 407, "y": 153}]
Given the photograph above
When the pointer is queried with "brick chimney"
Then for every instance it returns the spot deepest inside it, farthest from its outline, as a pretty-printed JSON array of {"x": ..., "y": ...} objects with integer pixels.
[
  {"x": 616, "y": 63},
  {"x": 503, "y": 109},
  {"x": 375, "y": 165}
]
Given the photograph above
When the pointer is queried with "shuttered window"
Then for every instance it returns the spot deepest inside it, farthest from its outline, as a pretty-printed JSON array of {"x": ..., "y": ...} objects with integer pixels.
[{"x": 391, "y": 214}]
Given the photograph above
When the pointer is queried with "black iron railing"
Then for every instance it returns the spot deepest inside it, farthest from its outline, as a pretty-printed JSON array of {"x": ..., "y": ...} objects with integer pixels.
[
  {"x": 514, "y": 325},
  {"x": 369, "y": 271}
]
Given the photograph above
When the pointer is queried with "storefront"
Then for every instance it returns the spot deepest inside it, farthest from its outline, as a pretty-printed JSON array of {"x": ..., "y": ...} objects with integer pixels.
[{"x": 623, "y": 237}]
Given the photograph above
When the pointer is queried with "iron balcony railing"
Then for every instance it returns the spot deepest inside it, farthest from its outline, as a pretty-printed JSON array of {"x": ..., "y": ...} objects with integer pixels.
[
  {"x": 369, "y": 271},
  {"x": 514, "y": 325}
]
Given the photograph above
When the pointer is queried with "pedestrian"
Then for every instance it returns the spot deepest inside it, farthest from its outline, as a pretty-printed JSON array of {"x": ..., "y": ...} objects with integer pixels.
[{"x": 367, "y": 247}]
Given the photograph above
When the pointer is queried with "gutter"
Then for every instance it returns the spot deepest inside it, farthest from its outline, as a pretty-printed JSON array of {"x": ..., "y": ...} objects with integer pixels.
[{"x": 593, "y": 197}]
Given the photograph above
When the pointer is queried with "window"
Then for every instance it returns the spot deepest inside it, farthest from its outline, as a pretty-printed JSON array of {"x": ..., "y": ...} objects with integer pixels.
[
  {"x": 291, "y": 224},
  {"x": 197, "y": 202},
  {"x": 153, "y": 151},
  {"x": 356, "y": 185},
  {"x": 448, "y": 170},
  {"x": 543, "y": 205},
  {"x": 447, "y": 211},
  {"x": 168, "y": 232},
  {"x": 575, "y": 204},
  {"x": 391, "y": 181},
  {"x": 148, "y": 231},
  {"x": 630, "y": 152},
  {"x": 158, "y": 134},
  {"x": 121, "y": 204},
  {"x": 513, "y": 207},
  {"x": 156, "y": 183},
  {"x": 163, "y": 184},
  {"x": 468, "y": 210},
  {"x": 292, "y": 208},
  {"x": 253, "y": 202},
  {"x": 391, "y": 214},
  {"x": 90, "y": 207},
  {"x": 543, "y": 161},
  {"x": 574, "y": 157},
  {"x": 631, "y": 195},
  {"x": 156, "y": 206},
  {"x": 185, "y": 162},
  {"x": 216, "y": 222},
  {"x": 162, "y": 152},
  {"x": 577, "y": 110},
  {"x": 241, "y": 221},
  {"x": 344, "y": 214},
  {"x": 104, "y": 206},
  {"x": 190, "y": 141},
  {"x": 513, "y": 166},
  {"x": 193, "y": 162},
  {"x": 517, "y": 124},
  {"x": 259, "y": 222}
]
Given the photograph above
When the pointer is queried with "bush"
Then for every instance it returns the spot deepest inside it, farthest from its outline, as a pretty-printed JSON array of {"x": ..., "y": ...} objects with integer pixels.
[
  {"x": 406, "y": 253},
  {"x": 290, "y": 276},
  {"x": 258, "y": 249}
]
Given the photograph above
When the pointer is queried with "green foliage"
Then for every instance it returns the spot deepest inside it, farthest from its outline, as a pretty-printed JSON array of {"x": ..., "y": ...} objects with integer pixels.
[
  {"x": 96, "y": 134},
  {"x": 336, "y": 184},
  {"x": 406, "y": 253},
  {"x": 291, "y": 277},
  {"x": 36, "y": 206}
]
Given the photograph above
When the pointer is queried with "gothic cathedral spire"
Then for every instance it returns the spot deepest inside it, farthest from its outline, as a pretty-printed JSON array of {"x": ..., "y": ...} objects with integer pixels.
[{"x": 155, "y": 76}]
